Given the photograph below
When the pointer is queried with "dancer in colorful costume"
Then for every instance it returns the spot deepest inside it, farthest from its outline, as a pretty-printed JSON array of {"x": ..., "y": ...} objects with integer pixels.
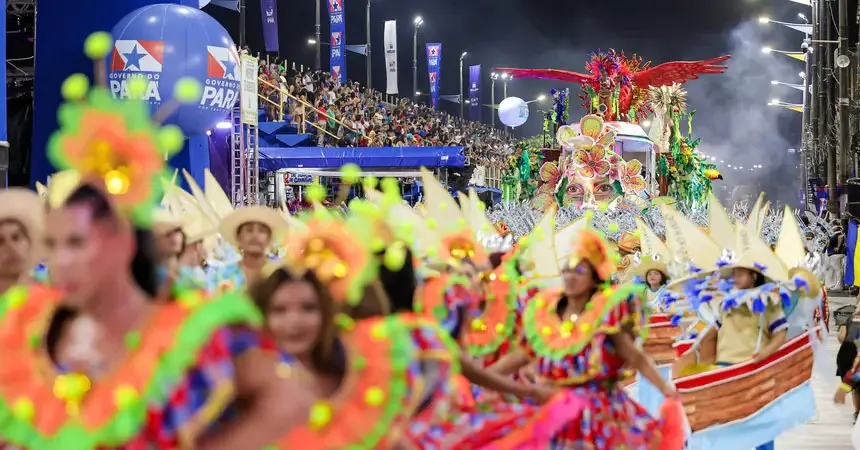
[
  {"x": 760, "y": 333},
  {"x": 380, "y": 411},
  {"x": 581, "y": 336},
  {"x": 98, "y": 363}
]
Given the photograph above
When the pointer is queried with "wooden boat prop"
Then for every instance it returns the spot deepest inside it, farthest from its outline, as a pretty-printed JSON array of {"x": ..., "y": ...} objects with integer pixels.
[
  {"x": 724, "y": 402},
  {"x": 662, "y": 333},
  {"x": 659, "y": 341}
]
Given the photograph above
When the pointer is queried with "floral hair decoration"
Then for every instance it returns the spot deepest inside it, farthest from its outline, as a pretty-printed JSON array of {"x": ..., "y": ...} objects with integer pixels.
[
  {"x": 337, "y": 250},
  {"x": 591, "y": 247},
  {"x": 114, "y": 144}
]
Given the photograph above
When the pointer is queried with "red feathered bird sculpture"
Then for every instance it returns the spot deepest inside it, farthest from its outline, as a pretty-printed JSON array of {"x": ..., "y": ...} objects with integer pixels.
[{"x": 617, "y": 86}]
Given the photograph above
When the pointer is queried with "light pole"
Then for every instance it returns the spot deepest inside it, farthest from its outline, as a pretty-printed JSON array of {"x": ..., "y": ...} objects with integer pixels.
[
  {"x": 843, "y": 62},
  {"x": 318, "y": 59},
  {"x": 241, "y": 24},
  {"x": 417, "y": 22},
  {"x": 462, "y": 57},
  {"x": 505, "y": 78},
  {"x": 367, "y": 49},
  {"x": 493, "y": 77}
]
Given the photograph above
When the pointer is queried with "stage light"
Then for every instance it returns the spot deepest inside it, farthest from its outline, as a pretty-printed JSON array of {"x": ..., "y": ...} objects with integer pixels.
[
  {"x": 766, "y": 49},
  {"x": 764, "y": 19},
  {"x": 223, "y": 125}
]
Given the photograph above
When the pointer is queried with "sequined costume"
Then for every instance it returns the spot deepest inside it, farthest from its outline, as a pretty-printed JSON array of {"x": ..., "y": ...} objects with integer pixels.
[
  {"x": 176, "y": 384},
  {"x": 582, "y": 359},
  {"x": 449, "y": 423}
]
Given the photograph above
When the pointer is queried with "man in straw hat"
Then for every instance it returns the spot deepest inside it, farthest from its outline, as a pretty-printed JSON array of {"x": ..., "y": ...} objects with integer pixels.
[
  {"x": 199, "y": 235},
  {"x": 169, "y": 240},
  {"x": 252, "y": 230},
  {"x": 22, "y": 222},
  {"x": 169, "y": 243}
]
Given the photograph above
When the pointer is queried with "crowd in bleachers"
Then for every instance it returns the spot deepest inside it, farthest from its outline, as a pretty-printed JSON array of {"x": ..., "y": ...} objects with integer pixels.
[{"x": 351, "y": 115}]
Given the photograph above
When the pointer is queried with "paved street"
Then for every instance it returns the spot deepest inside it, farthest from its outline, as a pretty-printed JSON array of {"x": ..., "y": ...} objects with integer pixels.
[{"x": 831, "y": 430}]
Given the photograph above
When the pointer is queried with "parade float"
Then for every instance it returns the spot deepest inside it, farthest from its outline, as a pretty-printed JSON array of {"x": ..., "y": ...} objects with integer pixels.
[
  {"x": 627, "y": 91},
  {"x": 750, "y": 403}
]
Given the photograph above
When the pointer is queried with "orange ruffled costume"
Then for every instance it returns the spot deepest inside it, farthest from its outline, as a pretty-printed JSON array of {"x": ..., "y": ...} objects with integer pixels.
[{"x": 581, "y": 359}]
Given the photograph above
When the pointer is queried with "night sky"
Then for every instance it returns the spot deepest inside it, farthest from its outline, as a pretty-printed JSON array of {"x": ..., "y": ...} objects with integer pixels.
[{"x": 732, "y": 118}]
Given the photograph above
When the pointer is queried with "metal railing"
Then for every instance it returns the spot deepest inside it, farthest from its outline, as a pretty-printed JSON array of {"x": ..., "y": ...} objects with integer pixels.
[{"x": 280, "y": 109}]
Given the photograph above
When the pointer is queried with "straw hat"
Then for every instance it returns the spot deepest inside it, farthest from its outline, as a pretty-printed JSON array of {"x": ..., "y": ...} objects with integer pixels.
[
  {"x": 25, "y": 207},
  {"x": 197, "y": 228},
  {"x": 655, "y": 252},
  {"x": 165, "y": 221},
  {"x": 269, "y": 217}
]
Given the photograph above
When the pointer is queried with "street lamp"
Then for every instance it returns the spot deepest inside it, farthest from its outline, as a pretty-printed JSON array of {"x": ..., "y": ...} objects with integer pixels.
[
  {"x": 805, "y": 28},
  {"x": 367, "y": 49},
  {"x": 539, "y": 98},
  {"x": 417, "y": 22},
  {"x": 318, "y": 57},
  {"x": 462, "y": 57},
  {"x": 800, "y": 56},
  {"x": 493, "y": 77},
  {"x": 799, "y": 87},
  {"x": 505, "y": 77},
  {"x": 312, "y": 41}
]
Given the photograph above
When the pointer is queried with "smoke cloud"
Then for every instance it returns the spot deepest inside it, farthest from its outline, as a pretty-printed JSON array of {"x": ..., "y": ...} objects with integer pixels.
[{"x": 738, "y": 128}]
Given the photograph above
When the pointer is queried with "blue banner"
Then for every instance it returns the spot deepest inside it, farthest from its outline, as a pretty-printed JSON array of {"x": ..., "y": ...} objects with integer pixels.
[
  {"x": 337, "y": 66},
  {"x": 434, "y": 64},
  {"x": 475, "y": 93},
  {"x": 269, "y": 10}
]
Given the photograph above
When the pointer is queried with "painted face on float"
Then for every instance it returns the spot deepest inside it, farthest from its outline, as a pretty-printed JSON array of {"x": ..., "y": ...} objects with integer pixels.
[{"x": 584, "y": 191}]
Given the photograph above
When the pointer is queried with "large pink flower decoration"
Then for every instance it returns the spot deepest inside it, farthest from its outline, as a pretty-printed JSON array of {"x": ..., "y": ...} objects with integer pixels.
[
  {"x": 631, "y": 179},
  {"x": 592, "y": 162}
]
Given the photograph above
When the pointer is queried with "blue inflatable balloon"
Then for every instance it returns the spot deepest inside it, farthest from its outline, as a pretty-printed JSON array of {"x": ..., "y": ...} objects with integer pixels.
[{"x": 165, "y": 42}]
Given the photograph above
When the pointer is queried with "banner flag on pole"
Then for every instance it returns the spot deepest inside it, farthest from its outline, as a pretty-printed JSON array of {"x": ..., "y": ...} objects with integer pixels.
[
  {"x": 269, "y": 9},
  {"x": 434, "y": 65},
  {"x": 475, "y": 93},
  {"x": 360, "y": 49},
  {"x": 227, "y": 4},
  {"x": 390, "y": 42},
  {"x": 337, "y": 64}
]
